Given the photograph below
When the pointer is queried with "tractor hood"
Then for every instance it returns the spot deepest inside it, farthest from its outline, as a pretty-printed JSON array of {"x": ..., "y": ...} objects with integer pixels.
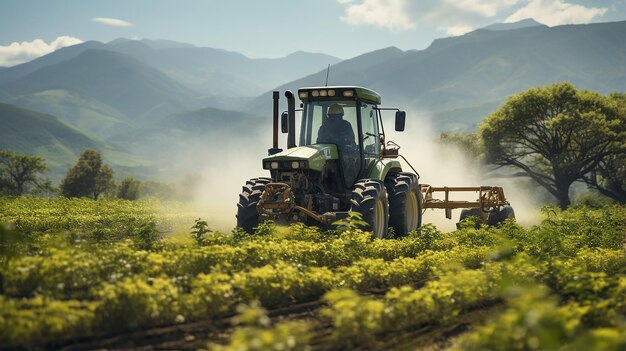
[{"x": 314, "y": 155}]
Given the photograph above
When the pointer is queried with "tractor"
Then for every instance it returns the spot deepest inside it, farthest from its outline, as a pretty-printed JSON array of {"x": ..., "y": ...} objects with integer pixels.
[{"x": 343, "y": 163}]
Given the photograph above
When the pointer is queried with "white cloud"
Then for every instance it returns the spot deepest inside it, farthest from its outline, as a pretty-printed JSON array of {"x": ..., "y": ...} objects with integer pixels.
[
  {"x": 112, "y": 21},
  {"x": 485, "y": 8},
  {"x": 455, "y": 17},
  {"x": 390, "y": 14},
  {"x": 556, "y": 12},
  {"x": 458, "y": 30},
  {"x": 17, "y": 53}
]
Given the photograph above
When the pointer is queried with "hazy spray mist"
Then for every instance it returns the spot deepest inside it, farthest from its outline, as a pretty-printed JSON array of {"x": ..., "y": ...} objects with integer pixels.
[
  {"x": 226, "y": 164},
  {"x": 222, "y": 164},
  {"x": 440, "y": 165}
]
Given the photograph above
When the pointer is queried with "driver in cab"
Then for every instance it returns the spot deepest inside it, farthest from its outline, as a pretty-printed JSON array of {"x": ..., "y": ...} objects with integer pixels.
[
  {"x": 335, "y": 129},
  {"x": 338, "y": 131}
]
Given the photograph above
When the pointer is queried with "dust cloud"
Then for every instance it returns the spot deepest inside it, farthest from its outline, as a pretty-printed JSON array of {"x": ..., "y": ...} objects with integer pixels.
[{"x": 225, "y": 164}]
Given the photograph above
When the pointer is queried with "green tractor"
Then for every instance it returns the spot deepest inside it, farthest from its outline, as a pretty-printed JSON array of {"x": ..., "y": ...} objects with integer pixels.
[{"x": 342, "y": 163}]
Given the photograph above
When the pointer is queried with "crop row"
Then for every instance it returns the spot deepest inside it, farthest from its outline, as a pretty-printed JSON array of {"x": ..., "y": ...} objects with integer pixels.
[
  {"x": 450, "y": 287},
  {"x": 138, "y": 301}
]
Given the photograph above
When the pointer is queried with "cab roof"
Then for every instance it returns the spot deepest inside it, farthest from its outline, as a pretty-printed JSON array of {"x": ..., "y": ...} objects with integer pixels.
[{"x": 342, "y": 91}]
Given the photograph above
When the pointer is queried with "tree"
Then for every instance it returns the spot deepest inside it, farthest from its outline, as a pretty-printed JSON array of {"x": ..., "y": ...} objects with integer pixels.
[
  {"x": 19, "y": 174},
  {"x": 609, "y": 178},
  {"x": 554, "y": 135},
  {"x": 128, "y": 189},
  {"x": 89, "y": 177}
]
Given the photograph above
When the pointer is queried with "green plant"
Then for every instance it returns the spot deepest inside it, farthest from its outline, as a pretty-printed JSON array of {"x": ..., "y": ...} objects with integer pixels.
[
  {"x": 353, "y": 221},
  {"x": 199, "y": 231},
  {"x": 145, "y": 236}
]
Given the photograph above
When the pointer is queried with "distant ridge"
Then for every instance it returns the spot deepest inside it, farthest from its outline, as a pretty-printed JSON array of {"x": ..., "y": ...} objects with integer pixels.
[
  {"x": 13, "y": 73},
  {"x": 525, "y": 23},
  {"x": 154, "y": 43}
]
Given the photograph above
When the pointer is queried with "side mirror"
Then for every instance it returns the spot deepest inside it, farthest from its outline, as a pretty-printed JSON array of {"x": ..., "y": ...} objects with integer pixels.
[
  {"x": 400, "y": 119},
  {"x": 284, "y": 123}
]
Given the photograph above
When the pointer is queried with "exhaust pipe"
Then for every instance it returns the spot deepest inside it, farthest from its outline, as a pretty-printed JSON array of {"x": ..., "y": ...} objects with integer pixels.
[
  {"x": 291, "y": 114},
  {"x": 275, "y": 149}
]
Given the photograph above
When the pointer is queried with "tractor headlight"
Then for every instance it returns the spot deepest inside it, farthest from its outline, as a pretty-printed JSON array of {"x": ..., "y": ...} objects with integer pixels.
[
  {"x": 274, "y": 165},
  {"x": 303, "y": 94},
  {"x": 331, "y": 93},
  {"x": 295, "y": 164},
  {"x": 348, "y": 93}
]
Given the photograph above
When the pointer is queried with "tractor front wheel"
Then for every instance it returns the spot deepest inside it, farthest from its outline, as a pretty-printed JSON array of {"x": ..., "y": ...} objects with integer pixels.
[
  {"x": 369, "y": 198},
  {"x": 247, "y": 215}
]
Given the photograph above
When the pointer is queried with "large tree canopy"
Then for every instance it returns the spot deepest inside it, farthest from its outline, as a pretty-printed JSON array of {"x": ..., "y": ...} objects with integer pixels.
[
  {"x": 610, "y": 176},
  {"x": 19, "y": 174},
  {"x": 555, "y": 135},
  {"x": 89, "y": 177}
]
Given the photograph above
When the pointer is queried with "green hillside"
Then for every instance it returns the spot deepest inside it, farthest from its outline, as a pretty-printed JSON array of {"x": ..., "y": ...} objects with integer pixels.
[
  {"x": 86, "y": 113},
  {"x": 59, "y": 143},
  {"x": 31, "y": 132}
]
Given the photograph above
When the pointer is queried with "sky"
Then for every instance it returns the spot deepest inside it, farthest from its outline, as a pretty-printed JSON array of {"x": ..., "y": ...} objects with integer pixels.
[{"x": 274, "y": 28}]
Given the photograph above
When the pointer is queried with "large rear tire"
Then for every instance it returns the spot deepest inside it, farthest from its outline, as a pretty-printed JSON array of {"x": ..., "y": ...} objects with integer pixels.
[
  {"x": 247, "y": 215},
  {"x": 369, "y": 198},
  {"x": 405, "y": 202}
]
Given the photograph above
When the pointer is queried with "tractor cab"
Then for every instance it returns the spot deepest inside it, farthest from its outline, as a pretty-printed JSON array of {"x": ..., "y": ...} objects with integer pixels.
[{"x": 346, "y": 117}]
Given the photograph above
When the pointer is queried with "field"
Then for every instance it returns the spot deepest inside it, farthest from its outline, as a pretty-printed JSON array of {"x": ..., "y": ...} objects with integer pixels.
[{"x": 110, "y": 274}]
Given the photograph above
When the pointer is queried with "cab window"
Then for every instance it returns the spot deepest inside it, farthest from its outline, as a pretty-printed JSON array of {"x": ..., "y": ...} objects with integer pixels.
[
  {"x": 370, "y": 137},
  {"x": 315, "y": 114}
]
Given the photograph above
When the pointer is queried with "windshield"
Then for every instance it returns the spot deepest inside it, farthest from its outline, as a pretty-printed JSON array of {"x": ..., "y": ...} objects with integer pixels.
[{"x": 329, "y": 122}]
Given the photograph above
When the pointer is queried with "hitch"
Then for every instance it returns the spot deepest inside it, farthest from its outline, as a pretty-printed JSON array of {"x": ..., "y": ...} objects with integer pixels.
[{"x": 278, "y": 200}]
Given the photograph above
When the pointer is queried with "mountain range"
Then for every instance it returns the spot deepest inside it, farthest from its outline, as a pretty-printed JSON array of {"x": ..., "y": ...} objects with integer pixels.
[
  {"x": 459, "y": 80},
  {"x": 128, "y": 97}
]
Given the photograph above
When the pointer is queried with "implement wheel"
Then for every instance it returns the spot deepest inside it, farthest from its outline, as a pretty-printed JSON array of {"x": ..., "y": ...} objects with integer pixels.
[
  {"x": 369, "y": 198},
  {"x": 501, "y": 215},
  {"x": 247, "y": 215},
  {"x": 405, "y": 202},
  {"x": 470, "y": 212}
]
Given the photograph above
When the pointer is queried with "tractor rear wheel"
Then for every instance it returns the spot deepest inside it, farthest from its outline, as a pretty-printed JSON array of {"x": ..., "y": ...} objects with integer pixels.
[
  {"x": 405, "y": 202},
  {"x": 247, "y": 215},
  {"x": 369, "y": 198}
]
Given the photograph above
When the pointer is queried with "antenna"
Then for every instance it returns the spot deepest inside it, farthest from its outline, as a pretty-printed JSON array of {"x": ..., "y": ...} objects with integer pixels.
[{"x": 327, "y": 71}]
